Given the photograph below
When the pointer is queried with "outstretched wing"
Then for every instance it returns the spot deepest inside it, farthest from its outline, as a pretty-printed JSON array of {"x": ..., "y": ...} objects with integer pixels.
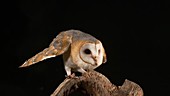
[{"x": 58, "y": 46}]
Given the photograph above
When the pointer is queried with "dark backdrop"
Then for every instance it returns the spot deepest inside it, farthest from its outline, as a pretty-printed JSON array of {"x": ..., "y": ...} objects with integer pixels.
[{"x": 135, "y": 41}]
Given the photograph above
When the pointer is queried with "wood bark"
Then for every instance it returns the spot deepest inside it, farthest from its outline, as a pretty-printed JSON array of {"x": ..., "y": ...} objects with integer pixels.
[{"x": 95, "y": 84}]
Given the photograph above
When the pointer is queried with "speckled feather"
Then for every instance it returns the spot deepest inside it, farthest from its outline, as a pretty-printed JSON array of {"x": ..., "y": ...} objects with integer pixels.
[{"x": 66, "y": 43}]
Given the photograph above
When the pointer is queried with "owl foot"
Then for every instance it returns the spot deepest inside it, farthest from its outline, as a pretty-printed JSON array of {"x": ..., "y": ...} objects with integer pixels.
[{"x": 71, "y": 76}]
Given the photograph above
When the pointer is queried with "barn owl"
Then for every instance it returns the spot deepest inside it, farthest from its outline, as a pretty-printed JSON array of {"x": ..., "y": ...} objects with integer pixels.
[{"x": 81, "y": 52}]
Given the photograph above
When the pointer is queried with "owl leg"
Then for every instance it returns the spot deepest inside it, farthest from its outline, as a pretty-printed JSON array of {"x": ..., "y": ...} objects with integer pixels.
[{"x": 68, "y": 70}]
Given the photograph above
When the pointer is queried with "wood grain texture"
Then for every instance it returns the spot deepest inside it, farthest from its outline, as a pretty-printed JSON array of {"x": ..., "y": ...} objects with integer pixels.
[{"x": 95, "y": 84}]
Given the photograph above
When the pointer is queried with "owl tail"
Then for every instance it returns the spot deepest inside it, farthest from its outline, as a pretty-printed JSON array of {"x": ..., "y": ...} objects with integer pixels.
[{"x": 45, "y": 54}]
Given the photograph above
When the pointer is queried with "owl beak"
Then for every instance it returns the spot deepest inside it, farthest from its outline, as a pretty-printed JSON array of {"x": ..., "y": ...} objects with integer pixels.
[{"x": 95, "y": 59}]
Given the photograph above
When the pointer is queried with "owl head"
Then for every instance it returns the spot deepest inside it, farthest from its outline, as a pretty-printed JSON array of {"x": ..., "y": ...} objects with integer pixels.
[{"x": 92, "y": 53}]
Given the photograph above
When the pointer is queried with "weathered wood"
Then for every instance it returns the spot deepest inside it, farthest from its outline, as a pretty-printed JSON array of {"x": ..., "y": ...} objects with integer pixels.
[{"x": 95, "y": 84}]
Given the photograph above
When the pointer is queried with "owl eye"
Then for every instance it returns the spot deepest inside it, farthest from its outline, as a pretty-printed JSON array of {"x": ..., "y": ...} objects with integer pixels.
[
  {"x": 99, "y": 51},
  {"x": 87, "y": 51}
]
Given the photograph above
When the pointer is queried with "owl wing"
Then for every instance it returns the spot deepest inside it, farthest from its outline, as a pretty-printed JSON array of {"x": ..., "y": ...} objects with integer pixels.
[{"x": 58, "y": 46}]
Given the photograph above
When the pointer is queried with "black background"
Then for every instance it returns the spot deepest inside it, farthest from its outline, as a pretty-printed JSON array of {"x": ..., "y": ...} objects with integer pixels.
[{"x": 132, "y": 33}]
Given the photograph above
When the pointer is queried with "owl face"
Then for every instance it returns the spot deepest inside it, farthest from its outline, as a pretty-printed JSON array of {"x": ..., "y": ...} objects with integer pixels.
[{"x": 92, "y": 53}]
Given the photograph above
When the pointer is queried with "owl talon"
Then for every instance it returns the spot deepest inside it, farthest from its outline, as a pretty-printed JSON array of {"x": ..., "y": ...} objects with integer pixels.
[{"x": 71, "y": 76}]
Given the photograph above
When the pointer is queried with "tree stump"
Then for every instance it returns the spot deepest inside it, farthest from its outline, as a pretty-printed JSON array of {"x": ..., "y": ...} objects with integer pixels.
[{"x": 95, "y": 84}]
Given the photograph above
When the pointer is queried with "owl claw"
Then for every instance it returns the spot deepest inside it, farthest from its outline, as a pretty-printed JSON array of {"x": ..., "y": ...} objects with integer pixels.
[{"x": 71, "y": 76}]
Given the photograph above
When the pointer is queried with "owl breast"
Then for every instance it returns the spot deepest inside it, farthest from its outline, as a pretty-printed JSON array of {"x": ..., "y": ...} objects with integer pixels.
[
  {"x": 77, "y": 64},
  {"x": 81, "y": 64}
]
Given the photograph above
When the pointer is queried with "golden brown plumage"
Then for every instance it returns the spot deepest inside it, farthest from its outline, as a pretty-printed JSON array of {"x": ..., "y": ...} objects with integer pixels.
[{"x": 80, "y": 50}]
